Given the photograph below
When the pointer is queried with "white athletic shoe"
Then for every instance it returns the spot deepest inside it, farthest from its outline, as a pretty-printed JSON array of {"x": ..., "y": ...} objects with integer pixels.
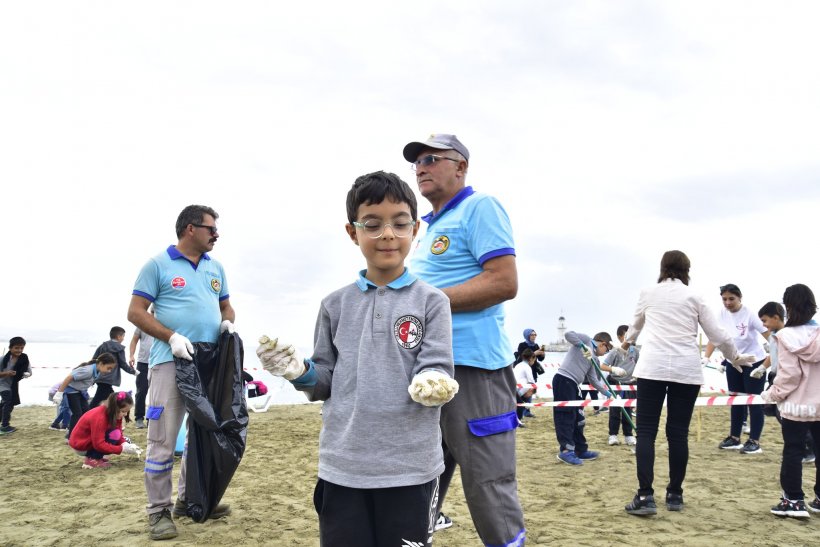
[
  {"x": 613, "y": 440},
  {"x": 630, "y": 440},
  {"x": 443, "y": 522}
]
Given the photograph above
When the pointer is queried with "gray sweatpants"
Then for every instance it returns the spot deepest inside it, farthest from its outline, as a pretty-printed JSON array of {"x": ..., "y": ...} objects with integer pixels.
[
  {"x": 162, "y": 437},
  {"x": 488, "y": 462}
]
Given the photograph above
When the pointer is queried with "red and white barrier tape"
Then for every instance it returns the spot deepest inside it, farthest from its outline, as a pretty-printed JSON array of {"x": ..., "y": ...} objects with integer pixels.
[
  {"x": 717, "y": 400},
  {"x": 630, "y": 387}
]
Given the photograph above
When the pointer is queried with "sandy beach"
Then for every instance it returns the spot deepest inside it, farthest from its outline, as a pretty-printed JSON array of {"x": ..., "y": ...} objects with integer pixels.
[{"x": 47, "y": 499}]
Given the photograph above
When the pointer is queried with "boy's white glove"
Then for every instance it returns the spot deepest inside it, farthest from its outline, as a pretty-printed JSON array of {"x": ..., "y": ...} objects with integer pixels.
[
  {"x": 432, "y": 388},
  {"x": 758, "y": 372},
  {"x": 617, "y": 371},
  {"x": 742, "y": 360},
  {"x": 226, "y": 326},
  {"x": 181, "y": 347},
  {"x": 767, "y": 395},
  {"x": 279, "y": 358},
  {"x": 586, "y": 352},
  {"x": 131, "y": 448},
  {"x": 58, "y": 398}
]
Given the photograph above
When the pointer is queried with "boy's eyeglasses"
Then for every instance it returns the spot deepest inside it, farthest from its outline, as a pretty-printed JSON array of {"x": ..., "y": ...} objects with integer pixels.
[
  {"x": 211, "y": 229},
  {"x": 375, "y": 228},
  {"x": 428, "y": 160}
]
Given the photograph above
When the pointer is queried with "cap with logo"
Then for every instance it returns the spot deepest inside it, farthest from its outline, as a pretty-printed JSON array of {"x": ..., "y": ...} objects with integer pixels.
[{"x": 438, "y": 141}]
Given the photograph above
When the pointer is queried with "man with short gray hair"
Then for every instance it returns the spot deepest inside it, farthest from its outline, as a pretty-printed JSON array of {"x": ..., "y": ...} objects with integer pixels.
[{"x": 468, "y": 252}]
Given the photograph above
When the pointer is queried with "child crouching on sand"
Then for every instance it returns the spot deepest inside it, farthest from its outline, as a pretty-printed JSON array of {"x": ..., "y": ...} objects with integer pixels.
[
  {"x": 383, "y": 364},
  {"x": 796, "y": 390},
  {"x": 99, "y": 431},
  {"x": 77, "y": 382}
]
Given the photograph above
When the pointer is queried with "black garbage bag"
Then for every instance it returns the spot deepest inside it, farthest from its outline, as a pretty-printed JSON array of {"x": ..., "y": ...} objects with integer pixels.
[{"x": 211, "y": 387}]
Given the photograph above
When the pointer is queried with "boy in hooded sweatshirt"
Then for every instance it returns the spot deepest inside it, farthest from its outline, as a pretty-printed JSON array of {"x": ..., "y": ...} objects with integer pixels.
[
  {"x": 796, "y": 390},
  {"x": 106, "y": 382}
]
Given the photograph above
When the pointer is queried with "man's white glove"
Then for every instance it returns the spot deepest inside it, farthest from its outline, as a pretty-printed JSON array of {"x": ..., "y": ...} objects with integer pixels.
[
  {"x": 131, "y": 448},
  {"x": 758, "y": 372},
  {"x": 181, "y": 347},
  {"x": 617, "y": 371},
  {"x": 432, "y": 388},
  {"x": 58, "y": 398},
  {"x": 767, "y": 395},
  {"x": 27, "y": 374},
  {"x": 720, "y": 367},
  {"x": 742, "y": 360},
  {"x": 280, "y": 359},
  {"x": 226, "y": 326},
  {"x": 704, "y": 361}
]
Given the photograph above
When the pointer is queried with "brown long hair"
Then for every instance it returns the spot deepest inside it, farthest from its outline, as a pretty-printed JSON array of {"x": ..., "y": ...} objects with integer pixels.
[
  {"x": 675, "y": 265},
  {"x": 116, "y": 401}
]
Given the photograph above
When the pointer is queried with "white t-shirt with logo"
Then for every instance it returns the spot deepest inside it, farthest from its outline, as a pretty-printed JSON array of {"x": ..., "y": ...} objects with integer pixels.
[{"x": 744, "y": 326}]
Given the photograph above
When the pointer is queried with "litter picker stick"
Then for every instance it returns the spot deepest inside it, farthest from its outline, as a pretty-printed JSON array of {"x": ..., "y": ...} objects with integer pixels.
[{"x": 601, "y": 375}]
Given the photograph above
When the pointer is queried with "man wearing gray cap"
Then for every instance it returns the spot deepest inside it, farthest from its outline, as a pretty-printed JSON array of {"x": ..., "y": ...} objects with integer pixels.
[{"x": 468, "y": 252}]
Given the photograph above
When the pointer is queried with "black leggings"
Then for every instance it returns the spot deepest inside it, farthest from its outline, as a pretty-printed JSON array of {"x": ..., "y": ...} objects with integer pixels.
[
  {"x": 78, "y": 405},
  {"x": 680, "y": 402}
]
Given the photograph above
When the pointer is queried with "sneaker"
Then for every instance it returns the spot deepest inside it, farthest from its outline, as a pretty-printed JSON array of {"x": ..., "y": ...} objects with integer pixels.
[
  {"x": 442, "y": 522},
  {"x": 730, "y": 443},
  {"x": 808, "y": 459},
  {"x": 521, "y": 424},
  {"x": 570, "y": 458},
  {"x": 7, "y": 429},
  {"x": 746, "y": 428},
  {"x": 630, "y": 440},
  {"x": 528, "y": 413},
  {"x": 91, "y": 463},
  {"x": 674, "y": 502},
  {"x": 751, "y": 447},
  {"x": 814, "y": 505},
  {"x": 613, "y": 440},
  {"x": 642, "y": 507},
  {"x": 588, "y": 455},
  {"x": 139, "y": 423},
  {"x": 161, "y": 525},
  {"x": 55, "y": 427},
  {"x": 791, "y": 508},
  {"x": 221, "y": 510}
]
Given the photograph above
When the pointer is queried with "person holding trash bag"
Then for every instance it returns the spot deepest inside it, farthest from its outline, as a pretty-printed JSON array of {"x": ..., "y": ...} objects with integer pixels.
[{"x": 189, "y": 291}]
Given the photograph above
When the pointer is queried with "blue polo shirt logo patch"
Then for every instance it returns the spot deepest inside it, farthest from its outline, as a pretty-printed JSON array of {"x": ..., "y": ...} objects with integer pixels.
[
  {"x": 408, "y": 331},
  {"x": 216, "y": 286},
  {"x": 440, "y": 244},
  {"x": 178, "y": 282}
]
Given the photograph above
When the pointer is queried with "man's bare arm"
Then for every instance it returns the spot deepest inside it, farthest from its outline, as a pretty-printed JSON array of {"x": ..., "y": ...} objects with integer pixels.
[{"x": 497, "y": 283}]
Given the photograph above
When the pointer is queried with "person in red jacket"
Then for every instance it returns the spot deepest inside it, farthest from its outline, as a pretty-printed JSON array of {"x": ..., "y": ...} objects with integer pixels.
[{"x": 99, "y": 431}]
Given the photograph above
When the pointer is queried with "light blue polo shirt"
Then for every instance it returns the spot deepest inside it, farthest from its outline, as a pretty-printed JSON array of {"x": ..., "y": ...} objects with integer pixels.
[
  {"x": 470, "y": 229},
  {"x": 186, "y": 298}
]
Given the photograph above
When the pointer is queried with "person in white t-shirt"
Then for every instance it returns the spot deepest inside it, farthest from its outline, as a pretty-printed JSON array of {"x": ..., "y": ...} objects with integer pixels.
[
  {"x": 746, "y": 328},
  {"x": 524, "y": 381}
]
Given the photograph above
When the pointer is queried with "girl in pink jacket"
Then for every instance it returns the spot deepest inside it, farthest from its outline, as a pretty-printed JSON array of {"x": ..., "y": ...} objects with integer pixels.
[{"x": 796, "y": 390}]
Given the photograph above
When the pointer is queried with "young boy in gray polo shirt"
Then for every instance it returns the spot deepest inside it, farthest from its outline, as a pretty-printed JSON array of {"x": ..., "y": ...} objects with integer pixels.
[{"x": 383, "y": 364}]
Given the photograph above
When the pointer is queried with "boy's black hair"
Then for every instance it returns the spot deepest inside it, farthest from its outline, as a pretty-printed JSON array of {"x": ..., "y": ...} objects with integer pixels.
[
  {"x": 772, "y": 309},
  {"x": 526, "y": 354},
  {"x": 602, "y": 337},
  {"x": 193, "y": 215},
  {"x": 622, "y": 330},
  {"x": 800, "y": 305},
  {"x": 116, "y": 331},
  {"x": 374, "y": 188},
  {"x": 17, "y": 341}
]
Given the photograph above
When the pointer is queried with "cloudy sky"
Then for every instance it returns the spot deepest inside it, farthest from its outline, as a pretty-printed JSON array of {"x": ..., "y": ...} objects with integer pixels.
[{"x": 611, "y": 131}]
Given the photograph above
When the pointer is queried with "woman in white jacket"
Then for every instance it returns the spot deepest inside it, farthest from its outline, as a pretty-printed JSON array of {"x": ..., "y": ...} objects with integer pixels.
[
  {"x": 668, "y": 315},
  {"x": 796, "y": 390}
]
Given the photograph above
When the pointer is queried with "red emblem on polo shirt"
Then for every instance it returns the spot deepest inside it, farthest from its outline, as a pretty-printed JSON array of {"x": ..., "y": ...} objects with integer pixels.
[
  {"x": 408, "y": 331},
  {"x": 178, "y": 282}
]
